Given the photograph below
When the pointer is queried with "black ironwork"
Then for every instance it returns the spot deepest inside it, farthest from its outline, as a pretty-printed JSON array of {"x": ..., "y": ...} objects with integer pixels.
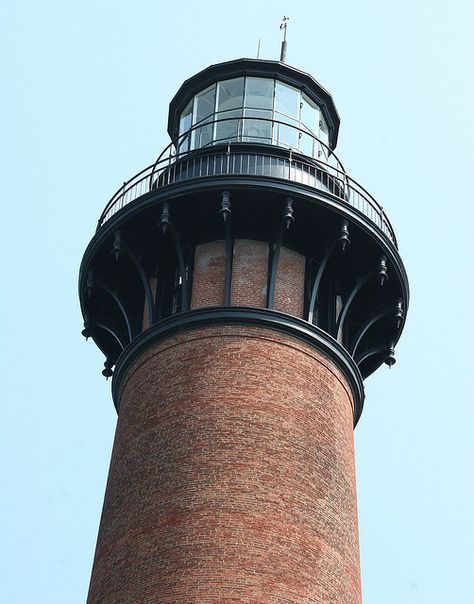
[
  {"x": 146, "y": 285},
  {"x": 167, "y": 225},
  {"x": 268, "y": 184},
  {"x": 399, "y": 315},
  {"x": 225, "y": 211},
  {"x": 383, "y": 274},
  {"x": 253, "y": 160},
  {"x": 365, "y": 328},
  {"x": 119, "y": 304},
  {"x": 396, "y": 313},
  {"x": 111, "y": 332},
  {"x": 90, "y": 282},
  {"x": 87, "y": 331},
  {"x": 390, "y": 358},
  {"x": 107, "y": 371},
  {"x": 117, "y": 245},
  {"x": 361, "y": 281},
  {"x": 229, "y": 315},
  {"x": 287, "y": 219},
  {"x": 342, "y": 242},
  {"x": 388, "y": 352}
]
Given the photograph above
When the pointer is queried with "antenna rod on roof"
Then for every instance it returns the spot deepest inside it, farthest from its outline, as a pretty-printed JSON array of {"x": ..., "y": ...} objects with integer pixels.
[
  {"x": 258, "y": 48},
  {"x": 283, "y": 26}
]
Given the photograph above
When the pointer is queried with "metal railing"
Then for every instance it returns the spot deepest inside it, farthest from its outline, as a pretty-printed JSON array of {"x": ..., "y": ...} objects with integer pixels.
[{"x": 234, "y": 158}]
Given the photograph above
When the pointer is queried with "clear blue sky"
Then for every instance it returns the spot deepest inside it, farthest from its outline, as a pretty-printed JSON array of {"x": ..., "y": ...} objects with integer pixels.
[{"x": 85, "y": 88}]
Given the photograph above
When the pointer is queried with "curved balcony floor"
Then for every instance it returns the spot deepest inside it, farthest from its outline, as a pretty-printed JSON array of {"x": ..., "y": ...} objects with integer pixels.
[{"x": 257, "y": 161}]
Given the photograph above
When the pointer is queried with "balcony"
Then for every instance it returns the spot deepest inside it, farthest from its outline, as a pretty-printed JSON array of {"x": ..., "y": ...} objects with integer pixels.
[{"x": 250, "y": 156}]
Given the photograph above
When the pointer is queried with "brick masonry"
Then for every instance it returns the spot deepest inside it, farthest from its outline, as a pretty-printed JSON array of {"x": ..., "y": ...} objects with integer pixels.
[
  {"x": 208, "y": 275},
  {"x": 249, "y": 273},
  {"x": 289, "y": 283},
  {"x": 249, "y": 276},
  {"x": 232, "y": 476}
]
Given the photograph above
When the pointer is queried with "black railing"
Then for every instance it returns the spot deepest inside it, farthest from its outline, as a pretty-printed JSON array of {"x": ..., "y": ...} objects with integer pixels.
[{"x": 233, "y": 158}]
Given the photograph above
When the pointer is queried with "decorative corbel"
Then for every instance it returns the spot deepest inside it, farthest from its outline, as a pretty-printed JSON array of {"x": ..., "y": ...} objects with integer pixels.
[
  {"x": 107, "y": 371},
  {"x": 111, "y": 332},
  {"x": 120, "y": 305},
  {"x": 388, "y": 351},
  {"x": 225, "y": 210},
  {"x": 166, "y": 225},
  {"x": 287, "y": 220},
  {"x": 342, "y": 243},
  {"x": 381, "y": 272},
  {"x": 396, "y": 312},
  {"x": 118, "y": 248}
]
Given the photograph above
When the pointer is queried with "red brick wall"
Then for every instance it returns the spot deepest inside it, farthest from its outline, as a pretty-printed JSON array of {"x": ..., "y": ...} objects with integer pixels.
[
  {"x": 232, "y": 476},
  {"x": 208, "y": 276},
  {"x": 249, "y": 273},
  {"x": 289, "y": 283}
]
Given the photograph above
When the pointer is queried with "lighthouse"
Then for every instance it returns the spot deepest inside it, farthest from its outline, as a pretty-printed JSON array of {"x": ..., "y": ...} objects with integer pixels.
[{"x": 241, "y": 288}]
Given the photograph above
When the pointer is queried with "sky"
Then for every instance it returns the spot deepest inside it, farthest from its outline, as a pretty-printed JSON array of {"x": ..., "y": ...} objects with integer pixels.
[{"x": 85, "y": 93}]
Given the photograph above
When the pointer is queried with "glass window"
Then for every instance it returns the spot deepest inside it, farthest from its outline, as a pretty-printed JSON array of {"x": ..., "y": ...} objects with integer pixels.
[
  {"x": 202, "y": 136},
  {"x": 324, "y": 137},
  {"x": 309, "y": 114},
  {"x": 323, "y": 130},
  {"x": 260, "y": 110},
  {"x": 186, "y": 118},
  {"x": 309, "y": 121},
  {"x": 259, "y": 93},
  {"x": 184, "y": 125},
  {"x": 257, "y": 130},
  {"x": 306, "y": 144},
  {"x": 203, "y": 108},
  {"x": 287, "y": 100},
  {"x": 287, "y": 109},
  {"x": 230, "y": 97},
  {"x": 230, "y": 94},
  {"x": 287, "y": 136},
  {"x": 228, "y": 129},
  {"x": 204, "y": 104}
]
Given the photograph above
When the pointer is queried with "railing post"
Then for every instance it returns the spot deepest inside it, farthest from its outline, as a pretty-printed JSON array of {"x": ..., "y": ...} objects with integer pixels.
[
  {"x": 123, "y": 194},
  {"x": 347, "y": 190},
  {"x": 228, "y": 156}
]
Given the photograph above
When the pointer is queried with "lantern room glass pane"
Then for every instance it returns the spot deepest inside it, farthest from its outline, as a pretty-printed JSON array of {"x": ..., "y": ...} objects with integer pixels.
[
  {"x": 204, "y": 104},
  {"x": 324, "y": 137},
  {"x": 287, "y": 136},
  {"x": 287, "y": 100},
  {"x": 184, "y": 125},
  {"x": 259, "y": 93},
  {"x": 306, "y": 144},
  {"x": 309, "y": 115},
  {"x": 230, "y": 94},
  {"x": 228, "y": 129},
  {"x": 257, "y": 130},
  {"x": 255, "y": 109},
  {"x": 203, "y": 108},
  {"x": 202, "y": 136}
]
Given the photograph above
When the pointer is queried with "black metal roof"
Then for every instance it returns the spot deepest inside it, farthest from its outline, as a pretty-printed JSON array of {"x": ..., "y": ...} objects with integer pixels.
[{"x": 256, "y": 68}]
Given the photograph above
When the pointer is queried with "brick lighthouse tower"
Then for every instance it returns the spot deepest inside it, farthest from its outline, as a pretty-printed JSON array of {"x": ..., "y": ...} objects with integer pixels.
[{"x": 241, "y": 288}]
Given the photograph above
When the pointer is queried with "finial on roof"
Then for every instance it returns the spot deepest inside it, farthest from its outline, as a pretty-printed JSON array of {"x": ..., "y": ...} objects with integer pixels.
[{"x": 283, "y": 26}]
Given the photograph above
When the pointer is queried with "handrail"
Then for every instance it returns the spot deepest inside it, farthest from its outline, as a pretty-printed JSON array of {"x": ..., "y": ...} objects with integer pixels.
[
  {"x": 176, "y": 144},
  {"x": 237, "y": 158},
  {"x": 168, "y": 156}
]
